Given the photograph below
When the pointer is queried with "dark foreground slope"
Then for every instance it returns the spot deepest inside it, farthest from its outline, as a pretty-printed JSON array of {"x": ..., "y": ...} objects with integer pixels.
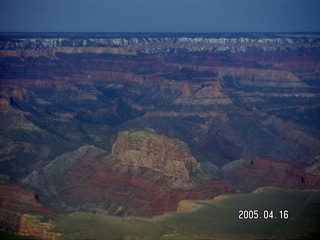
[{"x": 282, "y": 214}]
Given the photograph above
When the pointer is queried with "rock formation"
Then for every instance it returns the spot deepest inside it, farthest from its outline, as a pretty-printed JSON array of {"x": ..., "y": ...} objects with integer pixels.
[
  {"x": 267, "y": 171},
  {"x": 16, "y": 200},
  {"x": 314, "y": 168},
  {"x": 60, "y": 166},
  {"x": 147, "y": 174},
  {"x": 31, "y": 226},
  {"x": 147, "y": 149}
]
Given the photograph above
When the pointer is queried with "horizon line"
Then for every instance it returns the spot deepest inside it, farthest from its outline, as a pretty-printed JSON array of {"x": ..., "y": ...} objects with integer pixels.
[{"x": 149, "y": 33}]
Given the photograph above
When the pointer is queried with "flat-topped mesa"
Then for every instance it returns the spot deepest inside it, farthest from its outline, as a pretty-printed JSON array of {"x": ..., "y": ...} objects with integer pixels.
[
  {"x": 147, "y": 149},
  {"x": 52, "y": 46}
]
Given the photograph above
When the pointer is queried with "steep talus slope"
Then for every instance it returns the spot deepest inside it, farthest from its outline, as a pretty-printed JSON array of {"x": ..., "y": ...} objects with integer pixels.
[{"x": 61, "y": 166}]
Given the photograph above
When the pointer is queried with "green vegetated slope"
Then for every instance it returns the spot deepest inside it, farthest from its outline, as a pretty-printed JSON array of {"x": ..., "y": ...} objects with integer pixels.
[{"x": 214, "y": 219}]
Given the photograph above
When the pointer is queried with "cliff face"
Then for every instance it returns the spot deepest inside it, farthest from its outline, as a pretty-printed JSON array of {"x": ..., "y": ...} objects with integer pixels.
[
  {"x": 147, "y": 149},
  {"x": 147, "y": 174}
]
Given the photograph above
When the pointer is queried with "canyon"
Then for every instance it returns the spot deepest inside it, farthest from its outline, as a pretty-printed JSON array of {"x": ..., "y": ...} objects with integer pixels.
[
  {"x": 145, "y": 175},
  {"x": 133, "y": 124}
]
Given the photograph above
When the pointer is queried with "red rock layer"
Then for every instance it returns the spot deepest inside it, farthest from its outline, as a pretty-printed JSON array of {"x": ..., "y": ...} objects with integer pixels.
[
  {"x": 127, "y": 190},
  {"x": 15, "y": 200},
  {"x": 266, "y": 171}
]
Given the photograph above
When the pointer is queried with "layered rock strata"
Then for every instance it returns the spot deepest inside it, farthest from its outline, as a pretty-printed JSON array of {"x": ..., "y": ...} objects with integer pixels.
[
  {"x": 50, "y": 46},
  {"x": 267, "y": 171},
  {"x": 147, "y": 174},
  {"x": 16, "y": 200},
  {"x": 60, "y": 166},
  {"x": 146, "y": 149},
  {"x": 60, "y": 93}
]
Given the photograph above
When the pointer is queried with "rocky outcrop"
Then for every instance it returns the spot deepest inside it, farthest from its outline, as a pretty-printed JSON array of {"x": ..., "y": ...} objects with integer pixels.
[
  {"x": 267, "y": 171},
  {"x": 16, "y": 200},
  {"x": 146, "y": 149},
  {"x": 110, "y": 187},
  {"x": 32, "y": 226},
  {"x": 126, "y": 190},
  {"x": 146, "y": 174},
  {"x": 314, "y": 168},
  {"x": 4, "y": 105}
]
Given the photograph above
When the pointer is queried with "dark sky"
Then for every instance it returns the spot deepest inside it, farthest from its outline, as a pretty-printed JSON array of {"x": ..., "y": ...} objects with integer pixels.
[{"x": 160, "y": 15}]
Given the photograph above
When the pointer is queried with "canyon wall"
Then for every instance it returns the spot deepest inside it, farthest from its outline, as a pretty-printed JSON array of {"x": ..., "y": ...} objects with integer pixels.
[
  {"x": 227, "y": 96},
  {"x": 76, "y": 113},
  {"x": 146, "y": 174}
]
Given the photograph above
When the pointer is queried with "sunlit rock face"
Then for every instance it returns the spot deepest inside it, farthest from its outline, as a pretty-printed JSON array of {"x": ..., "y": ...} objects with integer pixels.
[{"x": 147, "y": 149}]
